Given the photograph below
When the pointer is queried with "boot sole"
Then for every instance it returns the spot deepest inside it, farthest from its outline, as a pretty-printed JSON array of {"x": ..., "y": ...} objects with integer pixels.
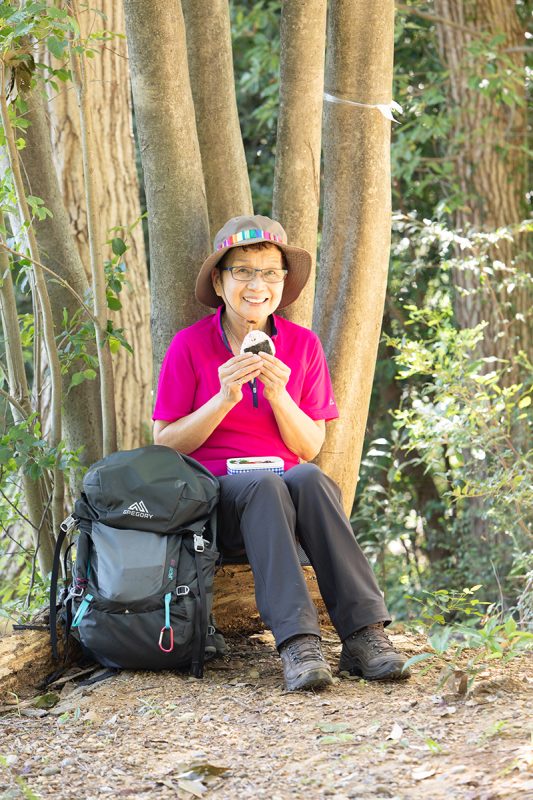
[
  {"x": 387, "y": 673},
  {"x": 313, "y": 679}
]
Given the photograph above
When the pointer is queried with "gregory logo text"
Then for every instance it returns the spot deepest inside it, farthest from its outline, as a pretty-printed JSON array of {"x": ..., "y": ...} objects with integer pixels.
[{"x": 138, "y": 510}]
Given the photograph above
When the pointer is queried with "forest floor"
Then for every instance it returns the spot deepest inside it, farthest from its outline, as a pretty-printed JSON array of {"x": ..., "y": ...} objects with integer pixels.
[{"x": 237, "y": 734}]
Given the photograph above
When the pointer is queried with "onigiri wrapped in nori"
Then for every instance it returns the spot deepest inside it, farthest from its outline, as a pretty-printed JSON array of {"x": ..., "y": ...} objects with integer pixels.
[{"x": 258, "y": 342}]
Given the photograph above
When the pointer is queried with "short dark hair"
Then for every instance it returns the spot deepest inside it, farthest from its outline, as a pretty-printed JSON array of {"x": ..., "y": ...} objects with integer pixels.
[{"x": 245, "y": 247}]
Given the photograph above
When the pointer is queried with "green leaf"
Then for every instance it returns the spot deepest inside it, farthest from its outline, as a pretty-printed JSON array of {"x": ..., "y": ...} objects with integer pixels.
[
  {"x": 114, "y": 344},
  {"x": 5, "y": 454},
  {"x": 48, "y": 700},
  {"x": 417, "y": 659},
  {"x": 56, "y": 46},
  {"x": 113, "y": 303},
  {"x": 333, "y": 727},
  {"x": 118, "y": 246}
]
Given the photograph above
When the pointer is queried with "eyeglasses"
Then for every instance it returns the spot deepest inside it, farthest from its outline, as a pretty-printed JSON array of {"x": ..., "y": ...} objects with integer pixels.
[{"x": 246, "y": 274}]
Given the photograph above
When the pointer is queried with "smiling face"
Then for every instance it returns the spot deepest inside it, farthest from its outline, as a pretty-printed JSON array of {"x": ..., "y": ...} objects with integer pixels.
[{"x": 249, "y": 303}]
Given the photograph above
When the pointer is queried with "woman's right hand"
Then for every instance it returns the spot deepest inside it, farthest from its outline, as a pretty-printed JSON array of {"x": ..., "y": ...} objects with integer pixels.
[{"x": 235, "y": 373}]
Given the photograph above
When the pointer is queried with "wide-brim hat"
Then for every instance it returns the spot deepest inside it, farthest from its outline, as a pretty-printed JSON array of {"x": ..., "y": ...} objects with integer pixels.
[{"x": 242, "y": 231}]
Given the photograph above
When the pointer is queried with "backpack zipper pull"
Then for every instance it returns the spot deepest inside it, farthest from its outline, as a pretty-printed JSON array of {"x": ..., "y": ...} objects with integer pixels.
[
  {"x": 199, "y": 543},
  {"x": 80, "y": 613}
]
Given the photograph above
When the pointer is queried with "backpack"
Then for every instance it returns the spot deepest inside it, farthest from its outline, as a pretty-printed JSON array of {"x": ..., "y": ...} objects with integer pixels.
[{"x": 142, "y": 577}]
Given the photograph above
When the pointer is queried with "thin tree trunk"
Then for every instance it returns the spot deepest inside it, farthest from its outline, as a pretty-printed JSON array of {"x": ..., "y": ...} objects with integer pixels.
[
  {"x": 297, "y": 171},
  {"x": 354, "y": 257},
  {"x": 175, "y": 192},
  {"x": 109, "y": 97},
  {"x": 88, "y": 148},
  {"x": 34, "y": 491},
  {"x": 81, "y": 406},
  {"x": 491, "y": 163},
  {"x": 45, "y": 311},
  {"x": 210, "y": 61}
]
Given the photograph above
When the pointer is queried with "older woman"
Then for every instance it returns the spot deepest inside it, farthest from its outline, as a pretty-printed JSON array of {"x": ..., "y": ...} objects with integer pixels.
[{"x": 215, "y": 403}]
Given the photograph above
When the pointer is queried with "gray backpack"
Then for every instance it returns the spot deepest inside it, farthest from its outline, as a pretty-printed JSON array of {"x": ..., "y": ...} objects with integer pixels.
[{"x": 142, "y": 578}]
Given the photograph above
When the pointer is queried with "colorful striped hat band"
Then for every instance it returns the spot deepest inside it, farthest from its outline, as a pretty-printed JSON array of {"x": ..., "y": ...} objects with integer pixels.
[{"x": 253, "y": 233}]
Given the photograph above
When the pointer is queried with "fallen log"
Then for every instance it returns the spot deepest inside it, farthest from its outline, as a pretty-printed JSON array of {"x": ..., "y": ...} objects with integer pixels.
[
  {"x": 25, "y": 661},
  {"x": 234, "y": 605},
  {"x": 26, "y": 656}
]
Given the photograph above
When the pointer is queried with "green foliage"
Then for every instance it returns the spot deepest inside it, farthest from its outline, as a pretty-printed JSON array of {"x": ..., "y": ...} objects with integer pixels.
[
  {"x": 456, "y": 458},
  {"x": 255, "y": 36},
  {"x": 494, "y": 639}
]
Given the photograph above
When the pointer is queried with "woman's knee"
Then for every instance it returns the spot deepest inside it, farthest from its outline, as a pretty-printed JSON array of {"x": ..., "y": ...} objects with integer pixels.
[{"x": 304, "y": 474}]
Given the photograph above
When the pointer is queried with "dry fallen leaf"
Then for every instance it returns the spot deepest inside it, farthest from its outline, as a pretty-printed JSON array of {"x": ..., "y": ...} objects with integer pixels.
[
  {"x": 396, "y": 732},
  {"x": 422, "y": 773}
]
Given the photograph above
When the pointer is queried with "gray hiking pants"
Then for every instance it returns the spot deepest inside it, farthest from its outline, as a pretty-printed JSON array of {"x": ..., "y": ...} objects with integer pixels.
[{"x": 264, "y": 513}]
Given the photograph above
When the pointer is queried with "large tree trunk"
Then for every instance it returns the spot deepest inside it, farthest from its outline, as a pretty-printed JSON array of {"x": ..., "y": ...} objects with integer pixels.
[
  {"x": 175, "y": 193},
  {"x": 297, "y": 173},
  {"x": 81, "y": 406},
  {"x": 217, "y": 121},
  {"x": 118, "y": 204},
  {"x": 489, "y": 150},
  {"x": 354, "y": 256}
]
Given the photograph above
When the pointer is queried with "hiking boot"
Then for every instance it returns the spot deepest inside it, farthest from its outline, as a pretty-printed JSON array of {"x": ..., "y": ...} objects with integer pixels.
[
  {"x": 304, "y": 666},
  {"x": 370, "y": 654}
]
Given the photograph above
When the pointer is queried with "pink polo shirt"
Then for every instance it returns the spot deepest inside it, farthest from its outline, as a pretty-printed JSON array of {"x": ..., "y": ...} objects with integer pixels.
[{"x": 189, "y": 378}]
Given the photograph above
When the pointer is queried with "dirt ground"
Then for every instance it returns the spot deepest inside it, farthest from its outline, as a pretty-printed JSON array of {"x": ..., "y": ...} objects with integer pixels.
[{"x": 237, "y": 734}]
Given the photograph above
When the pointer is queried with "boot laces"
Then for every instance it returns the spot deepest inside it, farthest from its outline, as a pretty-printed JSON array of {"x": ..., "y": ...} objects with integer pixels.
[
  {"x": 376, "y": 638},
  {"x": 304, "y": 649}
]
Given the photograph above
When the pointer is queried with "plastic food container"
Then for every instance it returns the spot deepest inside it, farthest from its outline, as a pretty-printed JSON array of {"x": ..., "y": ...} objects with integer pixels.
[{"x": 235, "y": 466}]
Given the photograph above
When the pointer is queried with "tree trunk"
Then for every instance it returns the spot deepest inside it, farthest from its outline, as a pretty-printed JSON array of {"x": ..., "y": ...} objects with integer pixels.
[
  {"x": 354, "y": 256},
  {"x": 170, "y": 153},
  {"x": 210, "y": 61},
  {"x": 489, "y": 147},
  {"x": 81, "y": 406},
  {"x": 117, "y": 204},
  {"x": 297, "y": 172}
]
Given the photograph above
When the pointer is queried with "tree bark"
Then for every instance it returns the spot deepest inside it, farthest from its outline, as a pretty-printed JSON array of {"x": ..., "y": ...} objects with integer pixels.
[
  {"x": 81, "y": 406},
  {"x": 170, "y": 153},
  {"x": 117, "y": 205},
  {"x": 78, "y": 68},
  {"x": 210, "y": 61},
  {"x": 354, "y": 256},
  {"x": 491, "y": 162},
  {"x": 297, "y": 171}
]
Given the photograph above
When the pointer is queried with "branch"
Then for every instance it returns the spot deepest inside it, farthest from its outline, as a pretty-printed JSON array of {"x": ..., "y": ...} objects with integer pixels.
[
  {"x": 402, "y": 8},
  {"x": 12, "y": 401},
  {"x": 58, "y": 278}
]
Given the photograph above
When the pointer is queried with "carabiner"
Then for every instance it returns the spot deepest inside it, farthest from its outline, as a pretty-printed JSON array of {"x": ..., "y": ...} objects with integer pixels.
[
  {"x": 167, "y": 626},
  {"x": 171, "y": 640}
]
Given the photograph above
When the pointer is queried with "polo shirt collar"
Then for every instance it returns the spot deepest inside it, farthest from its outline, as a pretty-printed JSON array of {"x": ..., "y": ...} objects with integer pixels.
[{"x": 217, "y": 317}]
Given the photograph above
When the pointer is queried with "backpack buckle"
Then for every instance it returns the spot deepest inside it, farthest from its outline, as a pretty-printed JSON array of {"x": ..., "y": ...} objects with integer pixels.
[
  {"x": 199, "y": 543},
  {"x": 182, "y": 590},
  {"x": 68, "y": 524}
]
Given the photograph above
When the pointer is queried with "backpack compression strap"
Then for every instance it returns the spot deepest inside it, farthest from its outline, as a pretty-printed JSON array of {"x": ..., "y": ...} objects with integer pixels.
[
  {"x": 200, "y": 617},
  {"x": 64, "y": 529}
]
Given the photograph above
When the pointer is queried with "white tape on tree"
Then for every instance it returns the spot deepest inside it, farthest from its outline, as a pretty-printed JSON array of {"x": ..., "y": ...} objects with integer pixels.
[{"x": 385, "y": 109}]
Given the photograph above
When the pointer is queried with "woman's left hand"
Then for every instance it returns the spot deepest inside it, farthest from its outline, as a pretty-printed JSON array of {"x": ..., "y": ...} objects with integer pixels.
[{"x": 274, "y": 375}]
